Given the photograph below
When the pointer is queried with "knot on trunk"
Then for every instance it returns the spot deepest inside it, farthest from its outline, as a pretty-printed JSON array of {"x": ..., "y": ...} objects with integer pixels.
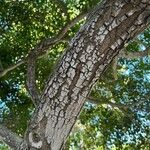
[{"x": 34, "y": 140}]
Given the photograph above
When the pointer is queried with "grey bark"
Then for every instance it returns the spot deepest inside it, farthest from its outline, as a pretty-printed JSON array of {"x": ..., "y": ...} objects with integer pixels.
[
  {"x": 96, "y": 44},
  {"x": 10, "y": 138},
  {"x": 108, "y": 28}
]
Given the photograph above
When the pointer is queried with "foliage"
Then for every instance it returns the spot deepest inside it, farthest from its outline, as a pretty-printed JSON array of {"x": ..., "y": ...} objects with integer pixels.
[
  {"x": 4, "y": 147},
  {"x": 22, "y": 25}
]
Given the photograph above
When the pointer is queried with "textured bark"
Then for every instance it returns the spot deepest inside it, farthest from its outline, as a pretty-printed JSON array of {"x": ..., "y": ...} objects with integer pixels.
[
  {"x": 108, "y": 28},
  {"x": 9, "y": 138}
]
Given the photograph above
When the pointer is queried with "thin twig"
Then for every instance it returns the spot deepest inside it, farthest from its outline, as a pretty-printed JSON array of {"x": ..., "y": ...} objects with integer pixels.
[
  {"x": 97, "y": 101},
  {"x": 10, "y": 68},
  {"x": 122, "y": 107}
]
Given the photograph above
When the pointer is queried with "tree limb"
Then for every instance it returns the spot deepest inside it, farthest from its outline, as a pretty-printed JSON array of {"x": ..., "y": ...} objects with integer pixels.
[
  {"x": 44, "y": 45},
  {"x": 31, "y": 79},
  {"x": 10, "y": 138},
  {"x": 114, "y": 66},
  {"x": 122, "y": 107},
  {"x": 98, "y": 102},
  {"x": 128, "y": 55},
  {"x": 134, "y": 55},
  {"x": 10, "y": 68}
]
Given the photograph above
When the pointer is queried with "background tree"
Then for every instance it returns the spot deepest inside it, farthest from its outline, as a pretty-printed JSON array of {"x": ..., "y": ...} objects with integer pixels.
[{"x": 116, "y": 113}]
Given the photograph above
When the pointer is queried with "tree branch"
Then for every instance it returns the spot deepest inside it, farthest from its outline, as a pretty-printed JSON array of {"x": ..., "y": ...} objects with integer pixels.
[
  {"x": 122, "y": 107},
  {"x": 44, "y": 45},
  {"x": 134, "y": 55},
  {"x": 114, "y": 66},
  {"x": 10, "y": 138},
  {"x": 128, "y": 55},
  {"x": 31, "y": 79},
  {"x": 10, "y": 68}
]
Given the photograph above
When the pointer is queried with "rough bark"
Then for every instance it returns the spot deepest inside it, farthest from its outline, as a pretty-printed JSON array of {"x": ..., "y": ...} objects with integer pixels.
[
  {"x": 10, "y": 138},
  {"x": 108, "y": 28}
]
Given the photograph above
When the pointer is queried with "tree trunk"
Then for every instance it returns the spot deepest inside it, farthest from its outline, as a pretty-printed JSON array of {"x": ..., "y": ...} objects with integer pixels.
[{"x": 107, "y": 29}]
